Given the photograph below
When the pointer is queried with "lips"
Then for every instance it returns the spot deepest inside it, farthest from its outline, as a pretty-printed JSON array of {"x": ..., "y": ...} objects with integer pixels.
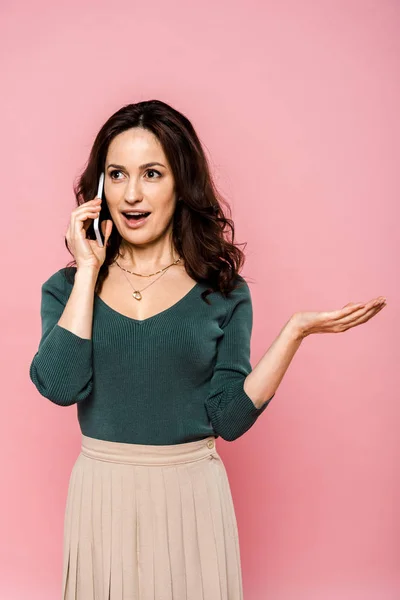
[
  {"x": 135, "y": 212},
  {"x": 133, "y": 223}
]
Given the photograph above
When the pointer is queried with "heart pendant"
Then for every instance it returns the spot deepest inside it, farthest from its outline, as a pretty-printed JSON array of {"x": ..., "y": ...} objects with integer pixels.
[{"x": 137, "y": 295}]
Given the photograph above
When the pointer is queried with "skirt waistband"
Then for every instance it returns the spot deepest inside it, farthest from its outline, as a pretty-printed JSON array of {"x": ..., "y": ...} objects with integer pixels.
[{"x": 143, "y": 454}]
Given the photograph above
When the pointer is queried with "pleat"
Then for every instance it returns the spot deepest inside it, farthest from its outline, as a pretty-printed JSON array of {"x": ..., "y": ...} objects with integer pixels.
[
  {"x": 71, "y": 585},
  {"x": 229, "y": 540},
  {"x": 116, "y": 583},
  {"x": 129, "y": 546},
  {"x": 145, "y": 535},
  {"x": 106, "y": 527},
  {"x": 227, "y": 557},
  {"x": 194, "y": 579},
  {"x": 138, "y": 529},
  {"x": 210, "y": 570},
  {"x": 85, "y": 581},
  {"x": 175, "y": 539},
  {"x": 67, "y": 531},
  {"x": 161, "y": 549},
  {"x": 97, "y": 508},
  {"x": 235, "y": 545}
]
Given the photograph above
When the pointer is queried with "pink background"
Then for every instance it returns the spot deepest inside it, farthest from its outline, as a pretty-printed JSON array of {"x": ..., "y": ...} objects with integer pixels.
[{"x": 297, "y": 104}]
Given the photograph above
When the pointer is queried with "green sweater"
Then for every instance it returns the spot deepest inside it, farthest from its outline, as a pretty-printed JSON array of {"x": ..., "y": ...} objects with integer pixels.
[{"x": 171, "y": 378}]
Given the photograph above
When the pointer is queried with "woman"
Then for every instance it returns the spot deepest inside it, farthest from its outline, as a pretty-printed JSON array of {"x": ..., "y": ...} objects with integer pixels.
[{"x": 149, "y": 336}]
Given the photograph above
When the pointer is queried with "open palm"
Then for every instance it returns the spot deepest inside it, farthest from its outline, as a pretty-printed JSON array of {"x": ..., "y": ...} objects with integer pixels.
[{"x": 336, "y": 321}]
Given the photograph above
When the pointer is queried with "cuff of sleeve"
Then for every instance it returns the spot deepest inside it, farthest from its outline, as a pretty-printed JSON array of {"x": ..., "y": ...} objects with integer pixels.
[
  {"x": 62, "y": 367},
  {"x": 245, "y": 412},
  {"x": 246, "y": 407},
  {"x": 63, "y": 339},
  {"x": 236, "y": 413}
]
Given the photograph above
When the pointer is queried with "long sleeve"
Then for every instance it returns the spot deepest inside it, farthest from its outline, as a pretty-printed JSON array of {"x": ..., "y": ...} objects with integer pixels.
[
  {"x": 231, "y": 411},
  {"x": 62, "y": 367}
]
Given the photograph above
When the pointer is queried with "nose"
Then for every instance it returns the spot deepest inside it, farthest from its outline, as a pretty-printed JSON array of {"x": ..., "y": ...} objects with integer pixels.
[{"x": 133, "y": 190}]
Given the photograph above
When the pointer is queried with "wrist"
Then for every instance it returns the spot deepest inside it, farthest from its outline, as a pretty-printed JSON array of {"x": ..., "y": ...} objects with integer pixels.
[
  {"x": 296, "y": 330},
  {"x": 87, "y": 274}
]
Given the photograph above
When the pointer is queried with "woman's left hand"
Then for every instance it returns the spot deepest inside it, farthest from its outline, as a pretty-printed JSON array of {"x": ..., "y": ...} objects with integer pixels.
[{"x": 336, "y": 321}]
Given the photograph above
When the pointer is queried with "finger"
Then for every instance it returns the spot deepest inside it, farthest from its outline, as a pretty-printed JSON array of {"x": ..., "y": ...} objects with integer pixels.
[
  {"x": 352, "y": 310},
  {"x": 92, "y": 202},
  {"x": 91, "y": 205},
  {"x": 90, "y": 218},
  {"x": 88, "y": 213},
  {"x": 82, "y": 220},
  {"x": 85, "y": 207},
  {"x": 365, "y": 316},
  {"x": 82, "y": 210},
  {"x": 357, "y": 314},
  {"x": 68, "y": 237},
  {"x": 341, "y": 313}
]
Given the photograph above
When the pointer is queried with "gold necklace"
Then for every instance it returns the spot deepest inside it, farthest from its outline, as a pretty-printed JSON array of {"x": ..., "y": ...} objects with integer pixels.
[{"x": 136, "y": 293}]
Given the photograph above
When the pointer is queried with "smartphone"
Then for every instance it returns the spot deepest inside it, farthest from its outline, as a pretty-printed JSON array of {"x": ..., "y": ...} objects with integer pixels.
[{"x": 96, "y": 222}]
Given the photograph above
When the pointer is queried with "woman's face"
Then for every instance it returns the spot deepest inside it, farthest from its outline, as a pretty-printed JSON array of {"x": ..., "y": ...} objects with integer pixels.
[{"x": 132, "y": 184}]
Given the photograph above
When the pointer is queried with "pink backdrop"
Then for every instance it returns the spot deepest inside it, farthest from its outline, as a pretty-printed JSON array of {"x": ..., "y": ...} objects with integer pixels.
[{"x": 297, "y": 104}]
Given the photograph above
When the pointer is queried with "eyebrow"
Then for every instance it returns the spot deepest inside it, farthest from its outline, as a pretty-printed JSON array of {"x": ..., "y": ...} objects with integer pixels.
[{"x": 145, "y": 166}]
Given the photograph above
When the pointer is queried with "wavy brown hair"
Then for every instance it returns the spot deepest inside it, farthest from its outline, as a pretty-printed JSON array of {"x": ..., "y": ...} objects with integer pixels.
[{"x": 202, "y": 234}]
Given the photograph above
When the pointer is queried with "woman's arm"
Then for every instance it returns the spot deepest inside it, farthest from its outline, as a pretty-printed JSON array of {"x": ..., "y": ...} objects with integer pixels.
[
  {"x": 78, "y": 313},
  {"x": 266, "y": 376},
  {"x": 62, "y": 366}
]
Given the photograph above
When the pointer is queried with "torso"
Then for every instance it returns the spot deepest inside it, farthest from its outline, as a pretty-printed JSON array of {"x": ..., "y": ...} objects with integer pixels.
[{"x": 162, "y": 294}]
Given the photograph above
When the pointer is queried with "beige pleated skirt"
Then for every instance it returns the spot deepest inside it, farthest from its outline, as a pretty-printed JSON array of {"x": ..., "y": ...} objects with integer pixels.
[{"x": 150, "y": 523}]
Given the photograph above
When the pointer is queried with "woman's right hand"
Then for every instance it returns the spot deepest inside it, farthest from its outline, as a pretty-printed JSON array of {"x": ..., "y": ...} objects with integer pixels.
[{"x": 87, "y": 253}]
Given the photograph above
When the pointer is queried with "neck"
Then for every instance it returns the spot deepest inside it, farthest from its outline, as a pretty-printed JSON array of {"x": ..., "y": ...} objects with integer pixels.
[{"x": 146, "y": 260}]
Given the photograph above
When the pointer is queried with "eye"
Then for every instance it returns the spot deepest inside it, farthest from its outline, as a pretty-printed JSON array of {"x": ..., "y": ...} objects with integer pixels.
[
  {"x": 153, "y": 171},
  {"x": 112, "y": 173}
]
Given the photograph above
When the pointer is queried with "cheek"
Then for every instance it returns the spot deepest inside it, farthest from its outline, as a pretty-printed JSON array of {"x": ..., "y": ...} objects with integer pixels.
[
  {"x": 163, "y": 204},
  {"x": 168, "y": 211},
  {"x": 110, "y": 198}
]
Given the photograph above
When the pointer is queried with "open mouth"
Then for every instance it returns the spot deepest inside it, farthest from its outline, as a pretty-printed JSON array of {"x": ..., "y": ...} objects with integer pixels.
[
  {"x": 134, "y": 220},
  {"x": 136, "y": 217}
]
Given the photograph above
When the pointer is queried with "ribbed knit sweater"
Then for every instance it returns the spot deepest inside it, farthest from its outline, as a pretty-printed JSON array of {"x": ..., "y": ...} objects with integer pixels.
[{"x": 174, "y": 377}]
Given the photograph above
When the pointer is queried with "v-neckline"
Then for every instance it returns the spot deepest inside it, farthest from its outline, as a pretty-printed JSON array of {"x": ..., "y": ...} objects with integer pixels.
[{"x": 152, "y": 317}]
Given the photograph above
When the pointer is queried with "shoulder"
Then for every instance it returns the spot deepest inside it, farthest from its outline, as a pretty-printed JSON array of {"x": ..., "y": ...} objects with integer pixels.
[
  {"x": 238, "y": 301},
  {"x": 242, "y": 287},
  {"x": 60, "y": 283},
  {"x": 240, "y": 292}
]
